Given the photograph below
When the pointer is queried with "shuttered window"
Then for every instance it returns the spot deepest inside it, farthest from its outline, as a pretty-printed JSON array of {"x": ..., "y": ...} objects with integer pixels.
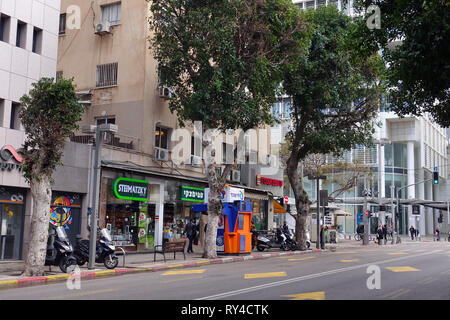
[{"x": 107, "y": 75}]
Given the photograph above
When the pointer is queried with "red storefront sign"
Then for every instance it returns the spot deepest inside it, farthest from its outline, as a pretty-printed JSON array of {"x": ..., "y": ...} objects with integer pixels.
[{"x": 268, "y": 181}]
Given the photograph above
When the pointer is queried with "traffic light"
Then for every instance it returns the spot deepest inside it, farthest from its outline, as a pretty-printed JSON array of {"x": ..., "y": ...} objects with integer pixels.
[
  {"x": 435, "y": 177},
  {"x": 327, "y": 211},
  {"x": 441, "y": 218}
]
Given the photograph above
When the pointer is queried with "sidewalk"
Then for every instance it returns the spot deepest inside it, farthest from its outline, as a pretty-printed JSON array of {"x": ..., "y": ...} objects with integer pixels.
[{"x": 10, "y": 271}]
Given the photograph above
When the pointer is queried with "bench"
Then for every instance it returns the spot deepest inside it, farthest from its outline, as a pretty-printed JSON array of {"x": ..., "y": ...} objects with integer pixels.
[{"x": 170, "y": 246}]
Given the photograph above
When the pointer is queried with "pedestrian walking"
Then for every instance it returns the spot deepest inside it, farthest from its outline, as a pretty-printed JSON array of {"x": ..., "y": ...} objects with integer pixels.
[
  {"x": 385, "y": 231},
  {"x": 438, "y": 237},
  {"x": 190, "y": 232},
  {"x": 412, "y": 231},
  {"x": 380, "y": 235}
]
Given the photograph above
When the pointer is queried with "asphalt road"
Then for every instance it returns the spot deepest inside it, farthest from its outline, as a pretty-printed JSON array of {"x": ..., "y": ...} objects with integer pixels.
[{"x": 403, "y": 272}]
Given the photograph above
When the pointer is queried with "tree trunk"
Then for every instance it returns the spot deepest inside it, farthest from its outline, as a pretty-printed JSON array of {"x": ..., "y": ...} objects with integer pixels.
[
  {"x": 216, "y": 185},
  {"x": 35, "y": 260},
  {"x": 301, "y": 201}
]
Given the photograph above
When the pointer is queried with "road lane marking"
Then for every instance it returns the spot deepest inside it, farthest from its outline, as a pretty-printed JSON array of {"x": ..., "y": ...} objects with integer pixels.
[
  {"x": 396, "y": 294},
  {"x": 396, "y": 253},
  {"x": 427, "y": 280},
  {"x": 301, "y": 259},
  {"x": 318, "y": 295},
  {"x": 350, "y": 260},
  {"x": 307, "y": 277},
  {"x": 393, "y": 293},
  {"x": 402, "y": 269},
  {"x": 193, "y": 271},
  {"x": 86, "y": 293},
  {"x": 182, "y": 279},
  {"x": 265, "y": 275}
]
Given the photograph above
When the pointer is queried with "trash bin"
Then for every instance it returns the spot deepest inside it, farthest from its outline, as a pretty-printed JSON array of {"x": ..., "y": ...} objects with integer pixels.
[{"x": 332, "y": 236}]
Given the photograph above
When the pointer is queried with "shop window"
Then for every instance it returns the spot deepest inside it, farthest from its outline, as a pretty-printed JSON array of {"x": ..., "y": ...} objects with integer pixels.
[{"x": 107, "y": 120}]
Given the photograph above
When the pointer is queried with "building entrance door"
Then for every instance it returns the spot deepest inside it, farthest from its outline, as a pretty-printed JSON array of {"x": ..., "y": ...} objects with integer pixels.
[{"x": 11, "y": 216}]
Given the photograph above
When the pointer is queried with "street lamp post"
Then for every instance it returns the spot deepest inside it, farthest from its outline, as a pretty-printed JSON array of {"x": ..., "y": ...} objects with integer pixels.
[
  {"x": 318, "y": 178},
  {"x": 95, "y": 190}
]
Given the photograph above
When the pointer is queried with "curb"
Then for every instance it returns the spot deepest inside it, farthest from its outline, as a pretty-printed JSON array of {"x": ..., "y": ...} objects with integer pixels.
[{"x": 36, "y": 281}]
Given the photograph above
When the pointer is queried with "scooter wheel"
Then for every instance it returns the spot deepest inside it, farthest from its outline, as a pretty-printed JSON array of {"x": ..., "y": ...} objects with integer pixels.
[
  {"x": 66, "y": 264},
  {"x": 260, "y": 248},
  {"x": 111, "y": 261}
]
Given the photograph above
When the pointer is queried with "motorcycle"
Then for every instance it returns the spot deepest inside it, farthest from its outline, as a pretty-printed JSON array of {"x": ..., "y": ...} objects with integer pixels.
[
  {"x": 275, "y": 240},
  {"x": 60, "y": 250},
  {"x": 292, "y": 244},
  {"x": 104, "y": 251}
]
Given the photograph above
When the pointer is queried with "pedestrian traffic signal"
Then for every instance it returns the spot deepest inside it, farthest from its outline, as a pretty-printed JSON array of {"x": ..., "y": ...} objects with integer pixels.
[
  {"x": 327, "y": 211},
  {"x": 435, "y": 177}
]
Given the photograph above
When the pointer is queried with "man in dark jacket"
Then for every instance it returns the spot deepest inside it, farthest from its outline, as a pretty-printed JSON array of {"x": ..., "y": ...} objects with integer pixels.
[
  {"x": 189, "y": 231},
  {"x": 385, "y": 231}
]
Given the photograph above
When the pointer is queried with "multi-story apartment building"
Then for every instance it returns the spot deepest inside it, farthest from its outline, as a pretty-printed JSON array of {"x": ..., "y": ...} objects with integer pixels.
[
  {"x": 28, "y": 52},
  {"x": 108, "y": 54}
]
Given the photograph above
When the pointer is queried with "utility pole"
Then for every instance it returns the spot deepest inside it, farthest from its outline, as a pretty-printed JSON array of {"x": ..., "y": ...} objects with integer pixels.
[{"x": 366, "y": 221}]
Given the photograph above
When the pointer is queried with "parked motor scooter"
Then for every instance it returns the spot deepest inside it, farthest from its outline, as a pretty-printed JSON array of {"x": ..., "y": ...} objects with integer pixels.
[
  {"x": 275, "y": 240},
  {"x": 104, "y": 250},
  {"x": 59, "y": 250},
  {"x": 292, "y": 244}
]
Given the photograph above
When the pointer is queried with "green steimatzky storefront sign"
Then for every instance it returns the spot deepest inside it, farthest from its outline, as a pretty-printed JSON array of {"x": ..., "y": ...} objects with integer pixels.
[
  {"x": 192, "y": 194},
  {"x": 131, "y": 189}
]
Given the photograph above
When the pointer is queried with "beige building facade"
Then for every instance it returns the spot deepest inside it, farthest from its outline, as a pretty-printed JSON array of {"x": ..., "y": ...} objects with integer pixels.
[{"x": 104, "y": 45}]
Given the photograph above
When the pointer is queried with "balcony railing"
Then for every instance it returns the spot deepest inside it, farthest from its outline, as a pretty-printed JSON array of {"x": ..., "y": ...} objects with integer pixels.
[{"x": 111, "y": 139}]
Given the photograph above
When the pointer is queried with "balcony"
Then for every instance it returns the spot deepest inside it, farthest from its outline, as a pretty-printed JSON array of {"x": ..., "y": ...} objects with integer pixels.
[{"x": 109, "y": 139}]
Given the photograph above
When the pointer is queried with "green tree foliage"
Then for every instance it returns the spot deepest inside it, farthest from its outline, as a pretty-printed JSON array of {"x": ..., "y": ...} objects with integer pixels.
[
  {"x": 414, "y": 38},
  {"x": 335, "y": 90},
  {"x": 49, "y": 114},
  {"x": 223, "y": 60}
]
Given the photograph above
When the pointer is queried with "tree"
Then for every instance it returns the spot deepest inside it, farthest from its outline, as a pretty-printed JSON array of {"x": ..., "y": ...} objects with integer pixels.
[
  {"x": 49, "y": 114},
  {"x": 223, "y": 61},
  {"x": 335, "y": 89},
  {"x": 414, "y": 37}
]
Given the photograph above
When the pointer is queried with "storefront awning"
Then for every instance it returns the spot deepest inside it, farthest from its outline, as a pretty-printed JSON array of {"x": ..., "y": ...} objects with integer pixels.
[
  {"x": 342, "y": 213},
  {"x": 278, "y": 208},
  {"x": 255, "y": 196}
]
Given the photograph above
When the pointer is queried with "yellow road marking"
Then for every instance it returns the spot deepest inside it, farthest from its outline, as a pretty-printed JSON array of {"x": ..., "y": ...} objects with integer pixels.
[
  {"x": 301, "y": 259},
  {"x": 265, "y": 275},
  {"x": 183, "y": 279},
  {"x": 58, "y": 277},
  {"x": 350, "y": 260},
  {"x": 402, "y": 269},
  {"x": 194, "y": 271},
  {"x": 83, "y": 294},
  {"x": 318, "y": 295},
  {"x": 345, "y": 251},
  {"x": 104, "y": 273},
  {"x": 396, "y": 253}
]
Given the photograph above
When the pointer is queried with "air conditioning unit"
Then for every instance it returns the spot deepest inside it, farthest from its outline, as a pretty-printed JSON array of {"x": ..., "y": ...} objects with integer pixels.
[
  {"x": 103, "y": 28},
  {"x": 161, "y": 154},
  {"x": 196, "y": 161},
  {"x": 236, "y": 176},
  {"x": 165, "y": 92}
]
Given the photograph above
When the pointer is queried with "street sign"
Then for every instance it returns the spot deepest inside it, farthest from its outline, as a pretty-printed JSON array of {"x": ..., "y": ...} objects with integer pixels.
[{"x": 286, "y": 200}]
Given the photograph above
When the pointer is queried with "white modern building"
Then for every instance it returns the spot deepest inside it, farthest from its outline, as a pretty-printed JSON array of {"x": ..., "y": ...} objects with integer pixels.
[{"x": 28, "y": 52}]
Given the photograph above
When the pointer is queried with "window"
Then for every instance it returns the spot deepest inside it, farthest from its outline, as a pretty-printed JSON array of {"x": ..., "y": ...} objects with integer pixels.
[
  {"x": 62, "y": 23},
  {"x": 162, "y": 138},
  {"x": 21, "y": 37},
  {"x": 5, "y": 22},
  {"x": 107, "y": 75},
  {"x": 107, "y": 120},
  {"x": 37, "y": 40},
  {"x": 300, "y": 5},
  {"x": 2, "y": 111},
  {"x": 14, "y": 122},
  {"x": 310, "y": 4},
  {"x": 111, "y": 13},
  {"x": 320, "y": 2},
  {"x": 333, "y": 2}
]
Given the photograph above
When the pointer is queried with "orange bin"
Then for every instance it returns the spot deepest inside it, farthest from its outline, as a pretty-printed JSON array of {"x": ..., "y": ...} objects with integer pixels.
[{"x": 237, "y": 235}]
